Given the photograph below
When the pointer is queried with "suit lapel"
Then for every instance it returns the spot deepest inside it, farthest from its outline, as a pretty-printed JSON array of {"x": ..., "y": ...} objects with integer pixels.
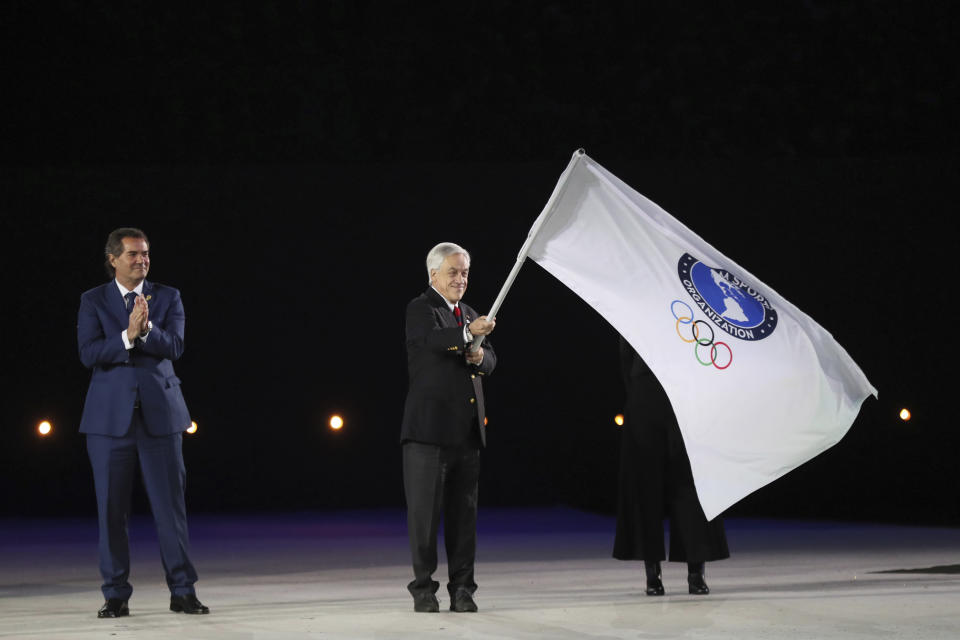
[
  {"x": 115, "y": 303},
  {"x": 118, "y": 306},
  {"x": 447, "y": 319},
  {"x": 446, "y": 316}
]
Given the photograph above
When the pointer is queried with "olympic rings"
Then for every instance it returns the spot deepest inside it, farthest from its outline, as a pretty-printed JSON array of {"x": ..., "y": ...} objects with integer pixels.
[
  {"x": 696, "y": 355},
  {"x": 688, "y": 317},
  {"x": 695, "y": 330},
  {"x": 703, "y": 341},
  {"x": 697, "y": 341},
  {"x": 713, "y": 355}
]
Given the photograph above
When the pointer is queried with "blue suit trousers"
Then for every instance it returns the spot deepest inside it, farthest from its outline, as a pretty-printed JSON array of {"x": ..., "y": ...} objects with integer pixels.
[{"x": 114, "y": 460}]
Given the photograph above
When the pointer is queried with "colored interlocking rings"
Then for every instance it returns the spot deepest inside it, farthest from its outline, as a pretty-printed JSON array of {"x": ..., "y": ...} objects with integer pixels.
[
  {"x": 697, "y": 341},
  {"x": 689, "y": 315},
  {"x": 687, "y": 319},
  {"x": 696, "y": 334},
  {"x": 713, "y": 355}
]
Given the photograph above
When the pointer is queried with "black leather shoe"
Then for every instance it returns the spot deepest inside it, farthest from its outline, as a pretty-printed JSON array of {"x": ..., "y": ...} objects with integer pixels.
[
  {"x": 462, "y": 602},
  {"x": 654, "y": 587},
  {"x": 187, "y": 604},
  {"x": 113, "y": 608},
  {"x": 698, "y": 586},
  {"x": 654, "y": 584},
  {"x": 426, "y": 603}
]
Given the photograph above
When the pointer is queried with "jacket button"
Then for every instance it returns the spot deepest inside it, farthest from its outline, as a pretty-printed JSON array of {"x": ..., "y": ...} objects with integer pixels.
[{"x": 472, "y": 400}]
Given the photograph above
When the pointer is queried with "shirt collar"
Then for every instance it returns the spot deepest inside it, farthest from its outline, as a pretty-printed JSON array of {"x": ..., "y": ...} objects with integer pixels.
[
  {"x": 124, "y": 291},
  {"x": 450, "y": 305}
]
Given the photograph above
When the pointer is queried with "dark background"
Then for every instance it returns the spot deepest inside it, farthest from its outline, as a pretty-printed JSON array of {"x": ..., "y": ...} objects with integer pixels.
[{"x": 292, "y": 163}]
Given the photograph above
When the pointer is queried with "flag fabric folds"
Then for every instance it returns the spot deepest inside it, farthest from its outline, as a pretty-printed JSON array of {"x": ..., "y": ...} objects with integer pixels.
[{"x": 758, "y": 387}]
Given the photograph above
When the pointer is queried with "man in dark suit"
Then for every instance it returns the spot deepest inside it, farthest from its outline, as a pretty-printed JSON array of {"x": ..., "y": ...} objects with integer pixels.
[
  {"x": 443, "y": 428},
  {"x": 129, "y": 331}
]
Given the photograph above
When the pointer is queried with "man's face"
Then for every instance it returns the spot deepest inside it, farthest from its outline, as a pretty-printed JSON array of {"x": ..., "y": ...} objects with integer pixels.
[
  {"x": 133, "y": 262},
  {"x": 451, "y": 278}
]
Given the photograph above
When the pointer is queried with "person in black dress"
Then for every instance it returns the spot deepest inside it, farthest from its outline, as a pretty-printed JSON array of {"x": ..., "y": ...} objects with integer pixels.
[{"x": 655, "y": 481}]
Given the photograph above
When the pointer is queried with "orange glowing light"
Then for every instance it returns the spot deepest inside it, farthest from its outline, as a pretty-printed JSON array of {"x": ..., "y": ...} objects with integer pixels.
[
  {"x": 485, "y": 420},
  {"x": 618, "y": 419},
  {"x": 905, "y": 415},
  {"x": 193, "y": 427},
  {"x": 44, "y": 428},
  {"x": 336, "y": 422}
]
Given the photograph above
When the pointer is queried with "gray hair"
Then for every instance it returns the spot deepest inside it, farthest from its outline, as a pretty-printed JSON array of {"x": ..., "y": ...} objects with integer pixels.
[{"x": 440, "y": 252}]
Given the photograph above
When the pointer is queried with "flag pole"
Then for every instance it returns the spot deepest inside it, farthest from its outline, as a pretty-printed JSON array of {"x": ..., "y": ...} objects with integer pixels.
[{"x": 531, "y": 235}]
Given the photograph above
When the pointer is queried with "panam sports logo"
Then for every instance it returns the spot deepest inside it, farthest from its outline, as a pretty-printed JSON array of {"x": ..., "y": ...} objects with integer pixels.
[{"x": 728, "y": 302}]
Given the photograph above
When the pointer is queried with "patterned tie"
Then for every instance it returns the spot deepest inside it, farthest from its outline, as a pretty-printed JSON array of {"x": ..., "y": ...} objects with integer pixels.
[
  {"x": 130, "y": 298},
  {"x": 456, "y": 312}
]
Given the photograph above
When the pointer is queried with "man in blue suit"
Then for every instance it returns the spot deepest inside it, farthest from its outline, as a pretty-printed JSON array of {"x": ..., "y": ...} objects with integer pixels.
[{"x": 129, "y": 331}]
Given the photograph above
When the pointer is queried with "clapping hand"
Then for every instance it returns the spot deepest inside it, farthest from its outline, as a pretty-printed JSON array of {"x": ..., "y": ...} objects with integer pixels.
[{"x": 139, "y": 318}]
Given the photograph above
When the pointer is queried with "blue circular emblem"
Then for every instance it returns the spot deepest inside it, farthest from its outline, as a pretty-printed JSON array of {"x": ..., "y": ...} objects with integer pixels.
[{"x": 729, "y": 302}]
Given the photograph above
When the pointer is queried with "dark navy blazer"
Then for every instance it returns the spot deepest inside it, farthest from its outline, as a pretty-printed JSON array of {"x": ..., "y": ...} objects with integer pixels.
[
  {"x": 120, "y": 376},
  {"x": 445, "y": 395}
]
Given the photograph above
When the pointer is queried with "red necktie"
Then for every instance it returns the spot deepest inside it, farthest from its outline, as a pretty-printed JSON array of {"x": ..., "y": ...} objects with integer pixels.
[{"x": 456, "y": 312}]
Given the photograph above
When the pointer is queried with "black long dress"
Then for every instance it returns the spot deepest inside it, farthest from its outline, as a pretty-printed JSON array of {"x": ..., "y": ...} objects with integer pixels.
[{"x": 655, "y": 478}]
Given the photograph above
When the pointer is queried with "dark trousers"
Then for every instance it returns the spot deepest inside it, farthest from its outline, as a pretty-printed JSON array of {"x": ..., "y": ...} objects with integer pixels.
[
  {"x": 441, "y": 480},
  {"x": 656, "y": 481},
  {"x": 114, "y": 461}
]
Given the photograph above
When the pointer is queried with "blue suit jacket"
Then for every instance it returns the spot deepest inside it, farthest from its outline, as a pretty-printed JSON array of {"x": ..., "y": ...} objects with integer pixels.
[{"x": 120, "y": 375}]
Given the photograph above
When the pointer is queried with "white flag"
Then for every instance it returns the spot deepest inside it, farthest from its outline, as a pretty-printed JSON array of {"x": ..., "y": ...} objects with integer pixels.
[{"x": 758, "y": 387}]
